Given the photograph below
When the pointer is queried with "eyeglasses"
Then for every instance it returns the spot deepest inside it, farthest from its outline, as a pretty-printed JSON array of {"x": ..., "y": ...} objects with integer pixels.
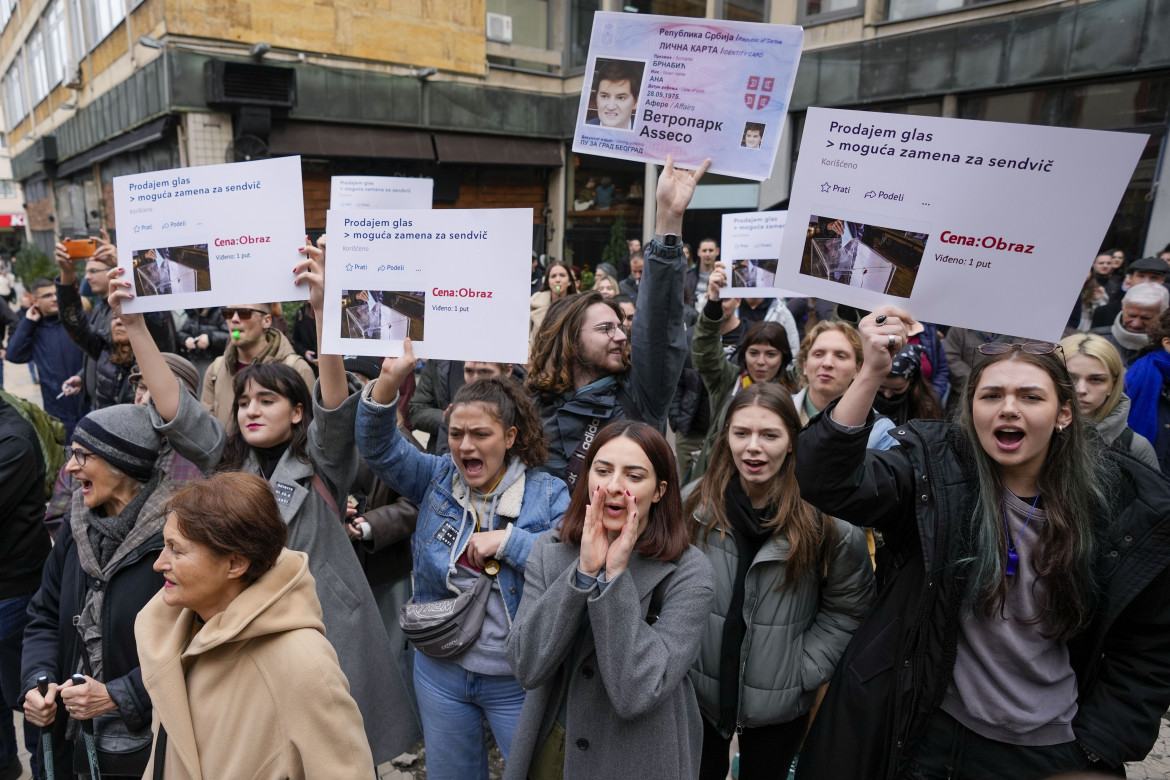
[
  {"x": 1031, "y": 347},
  {"x": 610, "y": 329},
  {"x": 80, "y": 455},
  {"x": 244, "y": 314}
]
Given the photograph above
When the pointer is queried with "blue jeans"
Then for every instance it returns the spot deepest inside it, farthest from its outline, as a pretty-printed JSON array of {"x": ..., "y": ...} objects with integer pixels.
[
  {"x": 13, "y": 619},
  {"x": 452, "y": 703}
]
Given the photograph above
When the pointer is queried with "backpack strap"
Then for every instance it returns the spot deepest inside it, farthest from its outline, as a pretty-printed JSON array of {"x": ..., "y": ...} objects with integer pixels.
[
  {"x": 1124, "y": 442},
  {"x": 656, "y": 597},
  {"x": 319, "y": 486}
]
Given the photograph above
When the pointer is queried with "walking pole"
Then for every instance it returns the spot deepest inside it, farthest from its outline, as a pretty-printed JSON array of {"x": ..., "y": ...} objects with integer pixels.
[{"x": 46, "y": 732}]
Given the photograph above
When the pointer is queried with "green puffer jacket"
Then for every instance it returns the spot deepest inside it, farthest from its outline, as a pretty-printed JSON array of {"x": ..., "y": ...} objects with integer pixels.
[{"x": 795, "y": 636}]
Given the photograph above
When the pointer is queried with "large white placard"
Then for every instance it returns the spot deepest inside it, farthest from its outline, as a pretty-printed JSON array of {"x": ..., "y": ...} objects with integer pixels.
[
  {"x": 691, "y": 88},
  {"x": 751, "y": 244},
  {"x": 212, "y": 235},
  {"x": 975, "y": 224},
  {"x": 380, "y": 192},
  {"x": 455, "y": 281}
]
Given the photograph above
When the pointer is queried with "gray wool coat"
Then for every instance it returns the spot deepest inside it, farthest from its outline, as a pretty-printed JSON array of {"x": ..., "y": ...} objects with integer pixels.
[
  {"x": 353, "y": 624},
  {"x": 630, "y": 709}
]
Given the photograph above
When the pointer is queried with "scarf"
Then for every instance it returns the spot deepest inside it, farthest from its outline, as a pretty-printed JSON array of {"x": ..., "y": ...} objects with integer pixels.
[
  {"x": 896, "y": 408},
  {"x": 749, "y": 536},
  {"x": 1143, "y": 385},
  {"x": 102, "y": 543},
  {"x": 1134, "y": 341}
]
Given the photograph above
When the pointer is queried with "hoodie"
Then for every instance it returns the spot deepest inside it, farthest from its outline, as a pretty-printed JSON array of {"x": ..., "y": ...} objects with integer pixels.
[{"x": 257, "y": 691}]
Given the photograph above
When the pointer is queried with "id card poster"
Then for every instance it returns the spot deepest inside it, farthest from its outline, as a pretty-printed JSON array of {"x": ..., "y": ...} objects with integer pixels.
[
  {"x": 213, "y": 235},
  {"x": 380, "y": 192},
  {"x": 691, "y": 88},
  {"x": 453, "y": 281},
  {"x": 751, "y": 246},
  {"x": 980, "y": 225}
]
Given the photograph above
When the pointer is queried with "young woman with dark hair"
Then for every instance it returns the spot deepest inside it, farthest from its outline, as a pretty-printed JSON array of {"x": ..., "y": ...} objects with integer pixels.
[
  {"x": 558, "y": 285},
  {"x": 791, "y": 587},
  {"x": 482, "y": 507},
  {"x": 301, "y": 444},
  {"x": 764, "y": 355},
  {"x": 1025, "y": 628},
  {"x": 613, "y": 604},
  {"x": 905, "y": 394}
]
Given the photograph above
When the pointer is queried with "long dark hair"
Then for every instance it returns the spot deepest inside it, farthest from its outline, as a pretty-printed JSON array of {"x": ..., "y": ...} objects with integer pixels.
[
  {"x": 665, "y": 536},
  {"x": 572, "y": 287},
  {"x": 505, "y": 401},
  {"x": 1074, "y": 481},
  {"x": 556, "y": 348},
  {"x": 771, "y": 334},
  {"x": 810, "y": 535},
  {"x": 282, "y": 380}
]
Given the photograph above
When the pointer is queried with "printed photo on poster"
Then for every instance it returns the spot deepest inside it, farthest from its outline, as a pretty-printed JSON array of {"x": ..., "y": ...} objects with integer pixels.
[
  {"x": 754, "y": 273},
  {"x": 382, "y": 314},
  {"x": 871, "y": 257},
  {"x": 613, "y": 99},
  {"x": 171, "y": 269},
  {"x": 753, "y": 135}
]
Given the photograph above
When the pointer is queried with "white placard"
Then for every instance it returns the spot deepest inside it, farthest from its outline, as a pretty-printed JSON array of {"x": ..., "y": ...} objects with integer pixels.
[
  {"x": 691, "y": 88},
  {"x": 751, "y": 244},
  {"x": 455, "y": 280},
  {"x": 380, "y": 192},
  {"x": 213, "y": 235},
  {"x": 980, "y": 225}
]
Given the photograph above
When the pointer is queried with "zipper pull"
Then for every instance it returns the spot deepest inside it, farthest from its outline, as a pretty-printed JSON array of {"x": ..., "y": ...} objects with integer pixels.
[{"x": 738, "y": 727}]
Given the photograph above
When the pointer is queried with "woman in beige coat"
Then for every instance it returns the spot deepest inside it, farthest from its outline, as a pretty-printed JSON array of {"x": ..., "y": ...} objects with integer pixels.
[{"x": 233, "y": 650}]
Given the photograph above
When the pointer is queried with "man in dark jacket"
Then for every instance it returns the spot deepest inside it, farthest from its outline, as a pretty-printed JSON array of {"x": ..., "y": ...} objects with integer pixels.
[
  {"x": 437, "y": 385},
  {"x": 24, "y": 546},
  {"x": 580, "y": 373},
  {"x": 41, "y": 336}
]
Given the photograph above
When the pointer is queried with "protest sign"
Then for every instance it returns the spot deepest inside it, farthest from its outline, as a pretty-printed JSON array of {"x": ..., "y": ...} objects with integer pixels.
[
  {"x": 453, "y": 280},
  {"x": 380, "y": 192},
  {"x": 212, "y": 235},
  {"x": 751, "y": 244},
  {"x": 976, "y": 224},
  {"x": 691, "y": 88}
]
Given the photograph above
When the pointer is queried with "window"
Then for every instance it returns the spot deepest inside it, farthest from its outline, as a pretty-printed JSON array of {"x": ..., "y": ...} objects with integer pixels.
[
  {"x": 580, "y": 30},
  {"x": 529, "y": 20},
  {"x": 7, "y": 188},
  {"x": 38, "y": 75},
  {"x": 6, "y": 7},
  {"x": 56, "y": 42},
  {"x": 104, "y": 16},
  {"x": 12, "y": 91},
  {"x": 696, "y": 8},
  {"x": 76, "y": 28},
  {"x": 909, "y": 9},
  {"x": 742, "y": 10},
  {"x": 817, "y": 11}
]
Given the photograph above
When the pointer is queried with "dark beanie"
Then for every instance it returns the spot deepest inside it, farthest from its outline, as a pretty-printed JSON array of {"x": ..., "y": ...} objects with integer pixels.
[
  {"x": 369, "y": 367},
  {"x": 122, "y": 436}
]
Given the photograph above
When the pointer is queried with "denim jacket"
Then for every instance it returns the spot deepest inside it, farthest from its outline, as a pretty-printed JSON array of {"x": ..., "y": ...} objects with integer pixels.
[{"x": 427, "y": 481}]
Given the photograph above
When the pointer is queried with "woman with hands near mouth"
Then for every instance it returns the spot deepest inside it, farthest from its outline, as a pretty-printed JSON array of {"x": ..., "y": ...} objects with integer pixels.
[
  {"x": 482, "y": 507},
  {"x": 301, "y": 444},
  {"x": 615, "y": 600},
  {"x": 1024, "y": 629}
]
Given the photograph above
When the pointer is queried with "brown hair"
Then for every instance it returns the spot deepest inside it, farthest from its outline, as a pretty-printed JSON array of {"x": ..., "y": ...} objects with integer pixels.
[
  {"x": 824, "y": 326},
  {"x": 505, "y": 401},
  {"x": 771, "y": 334},
  {"x": 232, "y": 512},
  {"x": 556, "y": 349},
  {"x": 811, "y": 536},
  {"x": 665, "y": 536}
]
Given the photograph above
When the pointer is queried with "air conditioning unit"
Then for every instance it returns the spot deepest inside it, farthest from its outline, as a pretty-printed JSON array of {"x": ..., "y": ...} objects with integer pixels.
[
  {"x": 45, "y": 149},
  {"x": 499, "y": 28}
]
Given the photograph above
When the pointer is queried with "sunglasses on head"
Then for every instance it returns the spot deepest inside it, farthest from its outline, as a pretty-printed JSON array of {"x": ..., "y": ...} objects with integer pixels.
[
  {"x": 1031, "y": 347},
  {"x": 242, "y": 313}
]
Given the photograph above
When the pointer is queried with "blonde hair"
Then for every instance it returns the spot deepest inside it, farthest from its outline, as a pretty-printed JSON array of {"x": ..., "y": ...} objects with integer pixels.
[
  {"x": 824, "y": 326},
  {"x": 1092, "y": 345}
]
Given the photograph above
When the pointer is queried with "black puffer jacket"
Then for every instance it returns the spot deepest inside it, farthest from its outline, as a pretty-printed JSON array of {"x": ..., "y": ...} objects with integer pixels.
[
  {"x": 898, "y": 666},
  {"x": 111, "y": 380}
]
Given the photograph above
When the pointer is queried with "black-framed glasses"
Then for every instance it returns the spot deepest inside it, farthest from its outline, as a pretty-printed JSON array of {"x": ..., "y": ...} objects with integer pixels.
[
  {"x": 73, "y": 452},
  {"x": 243, "y": 313},
  {"x": 1031, "y": 347},
  {"x": 610, "y": 329}
]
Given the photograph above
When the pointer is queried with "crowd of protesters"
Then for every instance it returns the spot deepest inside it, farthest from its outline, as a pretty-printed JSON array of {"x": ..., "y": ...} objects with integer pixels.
[{"x": 847, "y": 544}]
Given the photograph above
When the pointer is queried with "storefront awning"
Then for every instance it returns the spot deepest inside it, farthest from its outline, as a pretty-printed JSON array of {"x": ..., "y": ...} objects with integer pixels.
[
  {"x": 148, "y": 133},
  {"x": 321, "y": 139},
  {"x": 497, "y": 150}
]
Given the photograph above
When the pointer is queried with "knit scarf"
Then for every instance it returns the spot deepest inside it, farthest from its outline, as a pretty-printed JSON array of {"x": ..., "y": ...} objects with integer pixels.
[
  {"x": 1134, "y": 341},
  {"x": 749, "y": 536},
  {"x": 1143, "y": 385}
]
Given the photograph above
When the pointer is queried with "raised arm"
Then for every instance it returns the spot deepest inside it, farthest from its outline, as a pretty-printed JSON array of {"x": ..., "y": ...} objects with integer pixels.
[
  {"x": 883, "y": 333},
  {"x": 706, "y": 346},
  {"x": 311, "y": 270},
  {"x": 658, "y": 342},
  {"x": 163, "y": 385}
]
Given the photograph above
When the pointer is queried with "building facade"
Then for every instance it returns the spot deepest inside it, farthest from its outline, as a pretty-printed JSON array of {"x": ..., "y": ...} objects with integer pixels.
[{"x": 481, "y": 95}]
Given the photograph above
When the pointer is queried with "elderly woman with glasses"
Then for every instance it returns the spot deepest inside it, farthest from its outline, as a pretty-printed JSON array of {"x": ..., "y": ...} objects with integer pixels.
[
  {"x": 96, "y": 580},
  {"x": 1025, "y": 629}
]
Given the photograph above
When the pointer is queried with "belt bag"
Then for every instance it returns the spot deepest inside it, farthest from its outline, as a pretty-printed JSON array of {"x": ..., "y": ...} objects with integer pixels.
[{"x": 447, "y": 627}]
